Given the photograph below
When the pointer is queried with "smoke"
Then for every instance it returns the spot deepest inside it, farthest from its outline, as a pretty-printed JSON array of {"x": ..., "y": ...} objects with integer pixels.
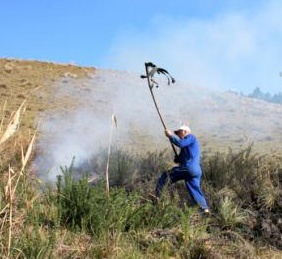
[
  {"x": 231, "y": 50},
  {"x": 80, "y": 127}
]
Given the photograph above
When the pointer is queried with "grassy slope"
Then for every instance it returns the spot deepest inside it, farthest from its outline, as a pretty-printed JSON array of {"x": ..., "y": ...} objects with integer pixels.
[
  {"x": 223, "y": 119},
  {"x": 19, "y": 78}
]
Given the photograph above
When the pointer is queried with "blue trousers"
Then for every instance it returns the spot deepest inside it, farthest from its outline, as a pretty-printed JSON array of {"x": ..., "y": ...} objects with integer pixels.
[{"x": 191, "y": 176}]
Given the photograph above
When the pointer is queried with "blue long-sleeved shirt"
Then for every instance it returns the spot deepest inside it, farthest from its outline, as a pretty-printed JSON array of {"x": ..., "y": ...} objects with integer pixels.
[{"x": 190, "y": 152}]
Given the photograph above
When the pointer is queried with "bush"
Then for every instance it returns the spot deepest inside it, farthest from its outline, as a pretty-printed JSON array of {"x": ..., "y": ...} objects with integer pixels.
[
  {"x": 236, "y": 171},
  {"x": 88, "y": 208},
  {"x": 239, "y": 185}
]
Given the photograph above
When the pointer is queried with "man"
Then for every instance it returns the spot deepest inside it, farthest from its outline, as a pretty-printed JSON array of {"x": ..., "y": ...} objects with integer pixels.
[{"x": 189, "y": 168}]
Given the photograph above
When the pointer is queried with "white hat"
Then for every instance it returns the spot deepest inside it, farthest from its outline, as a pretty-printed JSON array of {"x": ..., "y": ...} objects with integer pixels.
[{"x": 184, "y": 127}]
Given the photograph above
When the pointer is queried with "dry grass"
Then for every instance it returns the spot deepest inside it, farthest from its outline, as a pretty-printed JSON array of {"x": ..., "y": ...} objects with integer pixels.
[
  {"x": 20, "y": 83},
  {"x": 11, "y": 187},
  {"x": 13, "y": 124},
  {"x": 22, "y": 80},
  {"x": 225, "y": 119}
]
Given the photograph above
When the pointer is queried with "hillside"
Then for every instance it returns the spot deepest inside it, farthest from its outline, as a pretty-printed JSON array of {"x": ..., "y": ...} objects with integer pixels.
[
  {"x": 20, "y": 79},
  {"x": 74, "y": 106},
  {"x": 84, "y": 98},
  {"x": 70, "y": 108}
]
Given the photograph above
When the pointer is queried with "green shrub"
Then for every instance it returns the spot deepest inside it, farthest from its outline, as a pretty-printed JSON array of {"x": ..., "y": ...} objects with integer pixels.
[
  {"x": 237, "y": 171},
  {"x": 230, "y": 215},
  {"x": 130, "y": 220},
  {"x": 88, "y": 208},
  {"x": 34, "y": 242}
]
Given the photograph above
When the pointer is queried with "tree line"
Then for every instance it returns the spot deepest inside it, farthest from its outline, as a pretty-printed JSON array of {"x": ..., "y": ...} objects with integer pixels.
[{"x": 258, "y": 94}]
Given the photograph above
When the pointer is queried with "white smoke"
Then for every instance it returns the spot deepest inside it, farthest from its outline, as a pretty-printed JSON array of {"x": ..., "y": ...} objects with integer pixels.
[
  {"x": 81, "y": 125},
  {"x": 232, "y": 50},
  {"x": 77, "y": 132}
]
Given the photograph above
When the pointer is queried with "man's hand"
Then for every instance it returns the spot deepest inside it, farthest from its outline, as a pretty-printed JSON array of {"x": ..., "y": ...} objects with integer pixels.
[
  {"x": 168, "y": 133},
  {"x": 176, "y": 159}
]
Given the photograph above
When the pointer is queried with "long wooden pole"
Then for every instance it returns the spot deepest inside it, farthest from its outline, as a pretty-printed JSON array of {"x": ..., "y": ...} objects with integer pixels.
[{"x": 155, "y": 102}]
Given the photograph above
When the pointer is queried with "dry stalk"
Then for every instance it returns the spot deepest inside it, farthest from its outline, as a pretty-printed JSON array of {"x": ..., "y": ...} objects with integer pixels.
[
  {"x": 25, "y": 159},
  {"x": 3, "y": 116},
  {"x": 13, "y": 124},
  {"x": 11, "y": 129},
  {"x": 9, "y": 193},
  {"x": 114, "y": 122},
  {"x": 8, "y": 200}
]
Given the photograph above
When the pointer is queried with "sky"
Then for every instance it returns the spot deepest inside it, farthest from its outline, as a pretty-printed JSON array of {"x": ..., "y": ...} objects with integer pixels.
[{"x": 225, "y": 45}]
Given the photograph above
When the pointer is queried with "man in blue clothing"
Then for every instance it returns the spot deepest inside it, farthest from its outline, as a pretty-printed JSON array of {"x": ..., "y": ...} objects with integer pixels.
[{"x": 189, "y": 168}]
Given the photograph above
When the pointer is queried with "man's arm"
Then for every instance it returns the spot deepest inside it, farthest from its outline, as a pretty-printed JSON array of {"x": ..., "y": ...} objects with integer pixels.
[{"x": 181, "y": 142}]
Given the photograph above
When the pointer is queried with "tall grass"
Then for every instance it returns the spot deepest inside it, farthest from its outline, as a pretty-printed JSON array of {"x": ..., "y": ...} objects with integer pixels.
[
  {"x": 243, "y": 173},
  {"x": 76, "y": 219},
  {"x": 230, "y": 215},
  {"x": 85, "y": 207}
]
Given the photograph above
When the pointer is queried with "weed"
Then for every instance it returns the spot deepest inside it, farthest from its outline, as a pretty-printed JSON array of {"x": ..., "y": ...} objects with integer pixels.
[{"x": 230, "y": 215}]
